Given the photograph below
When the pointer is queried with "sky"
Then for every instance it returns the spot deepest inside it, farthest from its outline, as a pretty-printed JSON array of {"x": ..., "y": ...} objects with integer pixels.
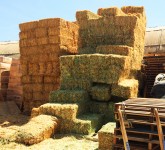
[{"x": 14, "y": 12}]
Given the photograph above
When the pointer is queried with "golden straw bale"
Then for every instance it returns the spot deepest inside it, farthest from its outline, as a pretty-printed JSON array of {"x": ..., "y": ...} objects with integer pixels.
[
  {"x": 24, "y": 69},
  {"x": 49, "y": 87},
  {"x": 42, "y": 40},
  {"x": 114, "y": 49},
  {"x": 127, "y": 88},
  {"x": 28, "y": 88},
  {"x": 113, "y": 11},
  {"x": 27, "y": 96},
  {"x": 50, "y": 79},
  {"x": 28, "y": 25},
  {"x": 42, "y": 68},
  {"x": 41, "y": 32},
  {"x": 37, "y": 79},
  {"x": 38, "y": 96},
  {"x": 37, "y": 87},
  {"x": 49, "y": 68},
  {"x": 106, "y": 136},
  {"x": 26, "y": 79}
]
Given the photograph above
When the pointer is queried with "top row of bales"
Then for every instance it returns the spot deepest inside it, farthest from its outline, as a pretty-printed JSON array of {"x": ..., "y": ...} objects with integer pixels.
[{"x": 113, "y": 26}]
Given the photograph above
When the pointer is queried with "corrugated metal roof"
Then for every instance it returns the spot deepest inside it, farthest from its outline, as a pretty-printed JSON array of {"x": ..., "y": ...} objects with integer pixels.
[
  {"x": 11, "y": 47},
  {"x": 155, "y": 36}
]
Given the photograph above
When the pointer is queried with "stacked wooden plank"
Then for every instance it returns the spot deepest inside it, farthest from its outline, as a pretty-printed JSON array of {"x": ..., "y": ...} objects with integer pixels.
[
  {"x": 15, "y": 90},
  {"x": 140, "y": 121},
  {"x": 155, "y": 64},
  {"x": 5, "y": 64},
  {"x": 41, "y": 44}
]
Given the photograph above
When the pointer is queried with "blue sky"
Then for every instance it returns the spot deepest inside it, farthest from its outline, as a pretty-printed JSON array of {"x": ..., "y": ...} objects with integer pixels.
[{"x": 13, "y": 12}]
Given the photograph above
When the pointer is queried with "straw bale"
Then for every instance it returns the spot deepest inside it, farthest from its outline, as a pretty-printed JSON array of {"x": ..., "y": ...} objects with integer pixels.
[
  {"x": 42, "y": 40},
  {"x": 109, "y": 68},
  {"x": 37, "y": 130},
  {"x": 132, "y": 9},
  {"x": 113, "y": 11},
  {"x": 37, "y": 79},
  {"x": 69, "y": 96},
  {"x": 34, "y": 69},
  {"x": 86, "y": 124},
  {"x": 27, "y": 95},
  {"x": 52, "y": 22},
  {"x": 105, "y": 108},
  {"x": 53, "y": 31},
  {"x": 127, "y": 88},
  {"x": 26, "y": 79},
  {"x": 27, "y": 88},
  {"x": 114, "y": 49},
  {"x": 73, "y": 84},
  {"x": 86, "y": 50},
  {"x": 101, "y": 92},
  {"x": 49, "y": 68},
  {"x": 106, "y": 135},
  {"x": 37, "y": 87},
  {"x": 27, "y": 34},
  {"x": 41, "y": 32},
  {"x": 50, "y": 79},
  {"x": 42, "y": 68},
  {"x": 49, "y": 87},
  {"x": 28, "y": 25},
  {"x": 38, "y": 96},
  {"x": 86, "y": 15},
  {"x": 63, "y": 111}
]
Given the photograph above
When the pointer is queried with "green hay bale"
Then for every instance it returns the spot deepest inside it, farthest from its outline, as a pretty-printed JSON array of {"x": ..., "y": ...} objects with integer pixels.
[
  {"x": 109, "y": 68},
  {"x": 85, "y": 124},
  {"x": 105, "y": 108},
  {"x": 126, "y": 89},
  {"x": 101, "y": 92},
  {"x": 114, "y": 49},
  {"x": 76, "y": 84},
  {"x": 106, "y": 135},
  {"x": 63, "y": 111},
  {"x": 68, "y": 96}
]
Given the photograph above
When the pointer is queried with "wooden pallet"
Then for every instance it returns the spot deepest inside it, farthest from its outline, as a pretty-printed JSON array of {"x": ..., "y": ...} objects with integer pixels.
[
  {"x": 147, "y": 131},
  {"x": 155, "y": 64}
]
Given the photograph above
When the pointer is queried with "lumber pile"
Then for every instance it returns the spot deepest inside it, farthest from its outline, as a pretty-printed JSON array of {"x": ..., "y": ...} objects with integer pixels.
[
  {"x": 154, "y": 64},
  {"x": 15, "y": 91},
  {"x": 142, "y": 131},
  {"x": 41, "y": 44}
]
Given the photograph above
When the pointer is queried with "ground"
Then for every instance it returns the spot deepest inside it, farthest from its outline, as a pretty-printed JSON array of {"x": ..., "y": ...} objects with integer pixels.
[{"x": 9, "y": 122}]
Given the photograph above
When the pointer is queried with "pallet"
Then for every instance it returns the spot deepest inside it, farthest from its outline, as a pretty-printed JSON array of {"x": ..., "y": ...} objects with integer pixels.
[
  {"x": 155, "y": 64},
  {"x": 146, "y": 129}
]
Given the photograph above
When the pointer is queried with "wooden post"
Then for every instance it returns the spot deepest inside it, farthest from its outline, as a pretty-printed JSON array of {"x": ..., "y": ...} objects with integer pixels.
[
  {"x": 123, "y": 130},
  {"x": 159, "y": 128}
]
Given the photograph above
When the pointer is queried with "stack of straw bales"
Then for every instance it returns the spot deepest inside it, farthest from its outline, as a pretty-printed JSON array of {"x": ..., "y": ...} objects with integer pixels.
[
  {"x": 15, "y": 90},
  {"x": 41, "y": 44},
  {"x": 117, "y": 36}
]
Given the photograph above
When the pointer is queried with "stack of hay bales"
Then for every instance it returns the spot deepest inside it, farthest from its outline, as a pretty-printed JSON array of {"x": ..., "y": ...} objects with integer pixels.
[
  {"x": 15, "y": 91},
  {"x": 41, "y": 44},
  {"x": 117, "y": 36}
]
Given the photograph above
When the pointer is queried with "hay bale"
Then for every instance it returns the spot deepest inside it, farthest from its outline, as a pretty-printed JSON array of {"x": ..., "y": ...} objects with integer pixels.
[
  {"x": 114, "y": 49},
  {"x": 104, "y": 108},
  {"x": 106, "y": 135},
  {"x": 50, "y": 79},
  {"x": 75, "y": 84},
  {"x": 126, "y": 89},
  {"x": 101, "y": 92},
  {"x": 85, "y": 124},
  {"x": 28, "y": 25},
  {"x": 109, "y": 68},
  {"x": 113, "y": 11},
  {"x": 37, "y": 96},
  {"x": 37, "y": 79},
  {"x": 36, "y": 130},
  {"x": 68, "y": 96},
  {"x": 41, "y": 32},
  {"x": 85, "y": 15},
  {"x": 63, "y": 111}
]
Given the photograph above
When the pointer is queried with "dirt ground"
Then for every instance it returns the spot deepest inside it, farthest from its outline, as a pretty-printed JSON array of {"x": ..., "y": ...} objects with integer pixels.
[{"x": 9, "y": 122}]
